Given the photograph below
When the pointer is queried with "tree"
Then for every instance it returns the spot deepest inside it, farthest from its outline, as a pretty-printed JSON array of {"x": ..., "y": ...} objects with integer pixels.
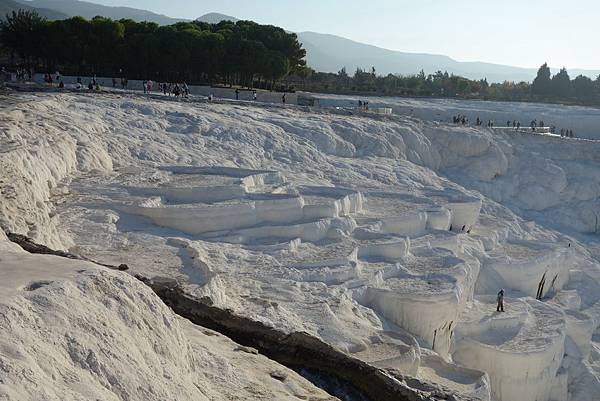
[
  {"x": 21, "y": 33},
  {"x": 561, "y": 84},
  {"x": 584, "y": 88},
  {"x": 191, "y": 51},
  {"x": 542, "y": 84}
]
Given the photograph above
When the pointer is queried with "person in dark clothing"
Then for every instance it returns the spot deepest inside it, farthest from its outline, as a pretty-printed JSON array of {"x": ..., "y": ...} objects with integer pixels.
[
  {"x": 237, "y": 95},
  {"x": 500, "y": 307}
]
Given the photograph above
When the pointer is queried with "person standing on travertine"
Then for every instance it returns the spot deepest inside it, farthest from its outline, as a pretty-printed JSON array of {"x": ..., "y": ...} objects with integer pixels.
[{"x": 500, "y": 307}]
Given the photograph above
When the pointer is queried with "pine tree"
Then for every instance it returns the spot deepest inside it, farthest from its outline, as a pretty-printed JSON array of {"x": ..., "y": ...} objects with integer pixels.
[
  {"x": 542, "y": 84},
  {"x": 561, "y": 84}
]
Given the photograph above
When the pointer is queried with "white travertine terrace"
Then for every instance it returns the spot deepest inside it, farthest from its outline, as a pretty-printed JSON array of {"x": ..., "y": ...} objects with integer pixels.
[{"x": 386, "y": 237}]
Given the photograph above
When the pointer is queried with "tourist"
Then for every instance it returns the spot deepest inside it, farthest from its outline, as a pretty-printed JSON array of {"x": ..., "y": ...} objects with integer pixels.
[
  {"x": 237, "y": 95},
  {"x": 283, "y": 98},
  {"x": 508, "y": 123},
  {"x": 500, "y": 307},
  {"x": 255, "y": 96}
]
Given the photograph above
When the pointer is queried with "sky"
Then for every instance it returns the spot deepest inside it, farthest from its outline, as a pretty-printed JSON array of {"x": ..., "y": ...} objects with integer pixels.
[{"x": 523, "y": 33}]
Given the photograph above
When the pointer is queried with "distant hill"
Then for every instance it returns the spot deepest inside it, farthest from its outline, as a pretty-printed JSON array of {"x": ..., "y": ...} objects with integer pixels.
[
  {"x": 89, "y": 10},
  {"x": 329, "y": 53},
  {"x": 8, "y": 6},
  {"x": 215, "y": 18}
]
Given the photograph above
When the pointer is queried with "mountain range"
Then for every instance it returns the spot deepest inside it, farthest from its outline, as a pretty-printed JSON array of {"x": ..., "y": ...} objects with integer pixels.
[
  {"x": 88, "y": 10},
  {"x": 324, "y": 52},
  {"x": 8, "y": 6}
]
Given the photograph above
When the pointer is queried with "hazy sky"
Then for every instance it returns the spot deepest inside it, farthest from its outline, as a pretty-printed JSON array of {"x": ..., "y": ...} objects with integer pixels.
[{"x": 516, "y": 32}]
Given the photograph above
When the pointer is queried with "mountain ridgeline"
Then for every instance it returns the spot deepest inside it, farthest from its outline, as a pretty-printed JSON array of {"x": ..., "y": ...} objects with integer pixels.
[
  {"x": 8, "y": 6},
  {"x": 76, "y": 8}
]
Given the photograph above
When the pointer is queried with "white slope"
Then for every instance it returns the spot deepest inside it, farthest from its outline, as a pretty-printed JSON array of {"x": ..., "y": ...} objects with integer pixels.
[
  {"x": 388, "y": 238},
  {"x": 70, "y": 330},
  {"x": 582, "y": 120}
]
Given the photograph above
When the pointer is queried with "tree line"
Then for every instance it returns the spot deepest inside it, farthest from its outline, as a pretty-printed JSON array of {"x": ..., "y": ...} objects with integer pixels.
[
  {"x": 544, "y": 88},
  {"x": 243, "y": 53},
  {"x": 239, "y": 53}
]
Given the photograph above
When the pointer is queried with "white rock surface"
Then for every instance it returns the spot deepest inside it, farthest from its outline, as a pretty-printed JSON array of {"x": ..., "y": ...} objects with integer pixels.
[
  {"x": 70, "y": 330},
  {"x": 387, "y": 237}
]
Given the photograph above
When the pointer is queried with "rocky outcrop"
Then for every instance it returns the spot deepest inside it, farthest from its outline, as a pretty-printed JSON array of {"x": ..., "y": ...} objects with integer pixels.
[
  {"x": 32, "y": 247},
  {"x": 295, "y": 350}
]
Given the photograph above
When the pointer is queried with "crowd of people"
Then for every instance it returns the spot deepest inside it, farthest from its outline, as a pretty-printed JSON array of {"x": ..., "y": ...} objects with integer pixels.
[
  {"x": 534, "y": 125},
  {"x": 22, "y": 74},
  {"x": 170, "y": 89}
]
